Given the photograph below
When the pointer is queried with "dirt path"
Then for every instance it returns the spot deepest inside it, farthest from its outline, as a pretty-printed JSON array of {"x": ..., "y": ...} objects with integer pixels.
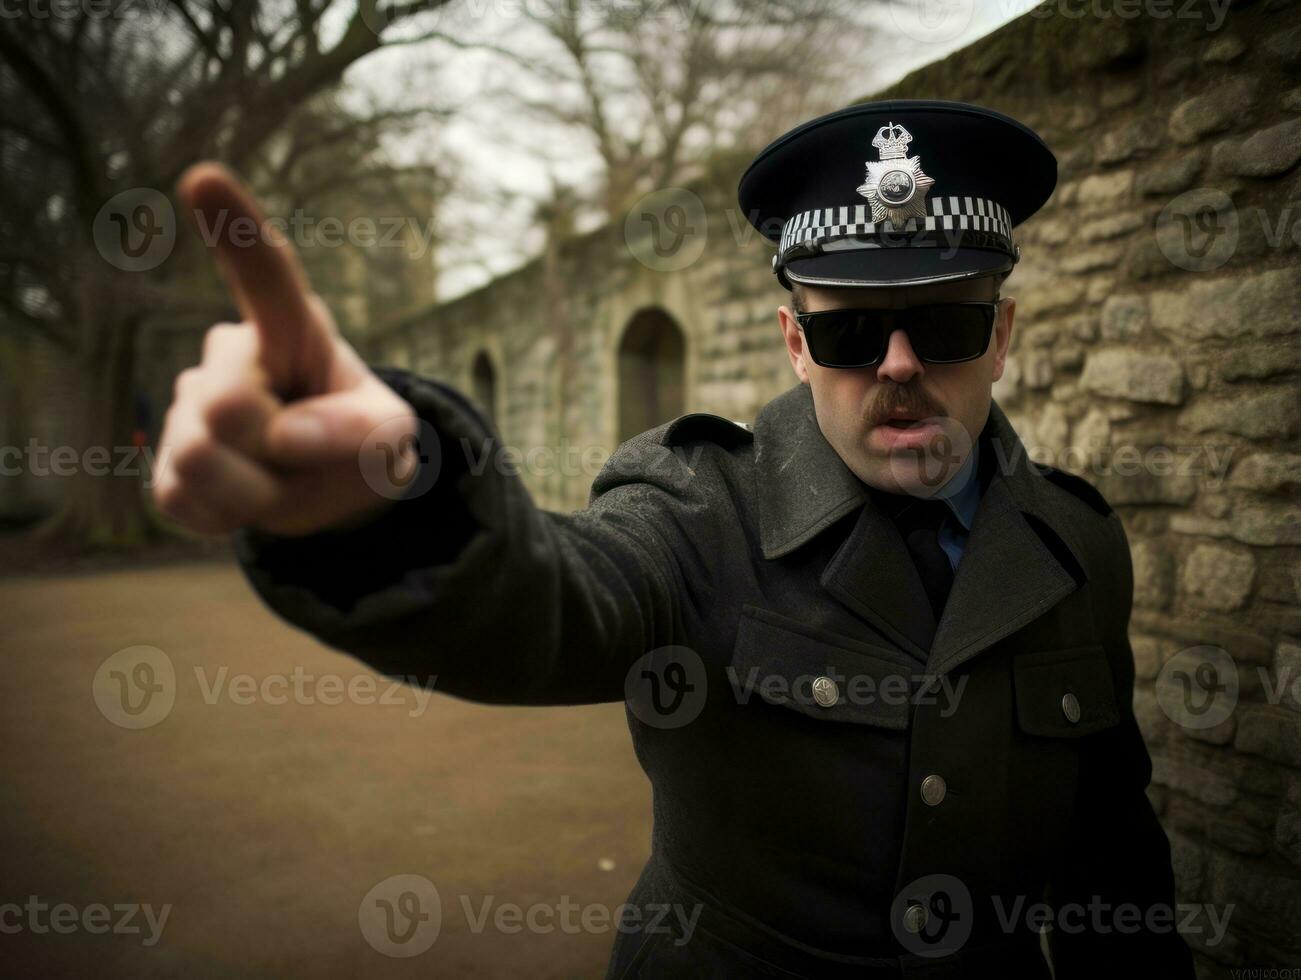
[{"x": 265, "y": 825}]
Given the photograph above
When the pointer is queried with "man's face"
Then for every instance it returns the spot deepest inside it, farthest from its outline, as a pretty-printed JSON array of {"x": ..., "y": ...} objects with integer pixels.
[{"x": 902, "y": 425}]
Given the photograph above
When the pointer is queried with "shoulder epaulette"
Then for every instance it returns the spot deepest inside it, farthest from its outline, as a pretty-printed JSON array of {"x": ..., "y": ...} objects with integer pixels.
[{"x": 703, "y": 425}]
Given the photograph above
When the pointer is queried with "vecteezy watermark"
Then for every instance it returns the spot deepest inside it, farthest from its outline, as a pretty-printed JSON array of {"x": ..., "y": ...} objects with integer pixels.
[
  {"x": 667, "y": 230},
  {"x": 1198, "y": 687},
  {"x": 934, "y": 916},
  {"x": 829, "y": 688},
  {"x": 300, "y": 687},
  {"x": 573, "y": 918},
  {"x": 931, "y": 21},
  {"x": 380, "y": 15},
  {"x": 1212, "y": 12},
  {"x": 379, "y": 459},
  {"x": 147, "y": 11},
  {"x": 1207, "y": 460},
  {"x": 569, "y": 460},
  {"x": 666, "y": 687},
  {"x": 929, "y": 456},
  {"x": 135, "y": 230},
  {"x": 403, "y": 915},
  {"x": 1199, "y": 230},
  {"x": 308, "y": 231},
  {"x": 38, "y": 459},
  {"x": 136, "y": 687},
  {"x": 64, "y": 918},
  {"x": 382, "y": 453},
  {"x": 1101, "y": 917}
]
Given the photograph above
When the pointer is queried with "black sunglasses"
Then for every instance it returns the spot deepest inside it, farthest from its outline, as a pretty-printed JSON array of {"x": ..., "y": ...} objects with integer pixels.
[{"x": 940, "y": 333}]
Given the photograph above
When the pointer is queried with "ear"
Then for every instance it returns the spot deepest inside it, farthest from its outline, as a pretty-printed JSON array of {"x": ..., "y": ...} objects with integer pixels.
[
  {"x": 794, "y": 339},
  {"x": 1003, "y": 333}
]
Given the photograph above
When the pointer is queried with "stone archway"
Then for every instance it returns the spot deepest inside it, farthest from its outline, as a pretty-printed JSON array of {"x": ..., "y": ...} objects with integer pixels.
[{"x": 652, "y": 369}]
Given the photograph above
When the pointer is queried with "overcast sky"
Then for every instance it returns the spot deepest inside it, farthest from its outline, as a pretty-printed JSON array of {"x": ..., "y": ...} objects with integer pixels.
[{"x": 492, "y": 154}]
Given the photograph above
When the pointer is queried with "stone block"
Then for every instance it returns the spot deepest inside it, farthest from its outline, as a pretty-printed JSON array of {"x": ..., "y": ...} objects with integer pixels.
[
  {"x": 1218, "y": 578},
  {"x": 1131, "y": 374},
  {"x": 1268, "y": 153},
  {"x": 1213, "y": 111}
]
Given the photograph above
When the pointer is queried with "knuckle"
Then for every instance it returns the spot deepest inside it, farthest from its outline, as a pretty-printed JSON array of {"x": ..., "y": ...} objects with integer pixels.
[
  {"x": 186, "y": 381},
  {"x": 221, "y": 335},
  {"x": 193, "y": 459},
  {"x": 169, "y": 497}
]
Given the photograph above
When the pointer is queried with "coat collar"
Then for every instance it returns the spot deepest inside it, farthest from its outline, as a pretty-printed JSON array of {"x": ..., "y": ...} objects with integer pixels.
[{"x": 805, "y": 487}]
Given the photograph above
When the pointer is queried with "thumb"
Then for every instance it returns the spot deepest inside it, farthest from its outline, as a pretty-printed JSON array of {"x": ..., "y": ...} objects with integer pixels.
[{"x": 362, "y": 424}]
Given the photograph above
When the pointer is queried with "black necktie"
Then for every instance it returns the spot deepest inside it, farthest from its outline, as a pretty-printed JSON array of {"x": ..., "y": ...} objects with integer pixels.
[{"x": 919, "y": 523}]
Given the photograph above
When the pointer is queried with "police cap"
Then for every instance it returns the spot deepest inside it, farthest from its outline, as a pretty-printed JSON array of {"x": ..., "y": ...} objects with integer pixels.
[{"x": 897, "y": 193}]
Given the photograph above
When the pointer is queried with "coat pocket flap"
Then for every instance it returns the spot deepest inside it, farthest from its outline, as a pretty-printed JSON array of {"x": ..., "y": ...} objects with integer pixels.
[
  {"x": 1064, "y": 693},
  {"x": 819, "y": 673}
]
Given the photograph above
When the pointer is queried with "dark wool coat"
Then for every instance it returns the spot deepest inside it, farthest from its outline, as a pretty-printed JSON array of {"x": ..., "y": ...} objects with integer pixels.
[{"x": 842, "y": 786}]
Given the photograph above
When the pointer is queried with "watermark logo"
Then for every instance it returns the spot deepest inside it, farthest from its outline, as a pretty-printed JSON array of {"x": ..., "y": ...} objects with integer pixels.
[
  {"x": 135, "y": 231},
  {"x": 386, "y": 455},
  {"x": 933, "y": 452},
  {"x": 667, "y": 230},
  {"x": 932, "y": 21},
  {"x": 667, "y": 687},
  {"x": 401, "y": 916},
  {"x": 1198, "y": 230},
  {"x": 933, "y": 915},
  {"x": 1198, "y": 687},
  {"x": 135, "y": 687}
]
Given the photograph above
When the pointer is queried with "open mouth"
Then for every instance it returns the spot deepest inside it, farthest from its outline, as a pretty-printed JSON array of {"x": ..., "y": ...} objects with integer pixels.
[{"x": 904, "y": 421}]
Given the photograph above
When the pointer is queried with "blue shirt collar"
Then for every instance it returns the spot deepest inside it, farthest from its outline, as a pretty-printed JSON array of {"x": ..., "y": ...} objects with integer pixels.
[{"x": 962, "y": 493}]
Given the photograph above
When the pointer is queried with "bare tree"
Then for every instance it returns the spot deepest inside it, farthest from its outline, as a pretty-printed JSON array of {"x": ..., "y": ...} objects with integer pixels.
[
  {"x": 124, "y": 94},
  {"x": 659, "y": 86}
]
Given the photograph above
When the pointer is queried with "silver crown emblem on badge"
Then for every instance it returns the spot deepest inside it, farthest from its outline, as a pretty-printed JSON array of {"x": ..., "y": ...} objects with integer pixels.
[
  {"x": 895, "y": 185},
  {"x": 892, "y": 142}
]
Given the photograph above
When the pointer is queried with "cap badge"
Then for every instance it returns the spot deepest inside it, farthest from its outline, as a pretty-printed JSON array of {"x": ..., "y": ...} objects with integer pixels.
[{"x": 895, "y": 185}]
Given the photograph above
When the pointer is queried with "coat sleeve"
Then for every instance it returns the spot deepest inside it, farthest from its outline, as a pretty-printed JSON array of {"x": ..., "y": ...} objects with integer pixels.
[
  {"x": 470, "y": 588},
  {"x": 1117, "y": 856}
]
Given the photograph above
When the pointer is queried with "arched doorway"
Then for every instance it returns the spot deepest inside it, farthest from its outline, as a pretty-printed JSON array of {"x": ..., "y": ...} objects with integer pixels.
[
  {"x": 483, "y": 385},
  {"x": 652, "y": 368}
]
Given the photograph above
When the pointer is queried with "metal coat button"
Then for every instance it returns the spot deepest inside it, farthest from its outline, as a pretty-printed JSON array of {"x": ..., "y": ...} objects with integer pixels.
[
  {"x": 825, "y": 692},
  {"x": 933, "y": 789},
  {"x": 1071, "y": 707},
  {"x": 914, "y": 917}
]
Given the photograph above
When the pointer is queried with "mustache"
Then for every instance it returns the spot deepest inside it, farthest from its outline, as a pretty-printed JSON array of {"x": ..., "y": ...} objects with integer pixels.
[{"x": 889, "y": 397}]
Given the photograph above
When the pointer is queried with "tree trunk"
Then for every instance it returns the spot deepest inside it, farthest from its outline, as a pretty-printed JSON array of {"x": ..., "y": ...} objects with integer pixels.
[{"x": 106, "y": 508}]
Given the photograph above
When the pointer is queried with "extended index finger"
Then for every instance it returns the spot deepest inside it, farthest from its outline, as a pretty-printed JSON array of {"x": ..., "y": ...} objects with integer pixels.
[{"x": 259, "y": 264}]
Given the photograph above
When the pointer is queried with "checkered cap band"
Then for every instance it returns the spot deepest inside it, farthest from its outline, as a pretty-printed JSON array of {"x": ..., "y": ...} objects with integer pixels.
[{"x": 946, "y": 215}]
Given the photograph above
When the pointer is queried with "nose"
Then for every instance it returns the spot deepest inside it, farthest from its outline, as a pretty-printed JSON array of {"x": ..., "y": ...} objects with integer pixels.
[{"x": 900, "y": 363}]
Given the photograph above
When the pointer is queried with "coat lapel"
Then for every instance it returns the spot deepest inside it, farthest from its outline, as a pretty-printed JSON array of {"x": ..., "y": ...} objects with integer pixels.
[{"x": 1008, "y": 575}]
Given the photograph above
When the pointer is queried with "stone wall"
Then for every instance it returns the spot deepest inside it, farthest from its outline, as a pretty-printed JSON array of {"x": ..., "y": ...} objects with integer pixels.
[{"x": 1155, "y": 352}]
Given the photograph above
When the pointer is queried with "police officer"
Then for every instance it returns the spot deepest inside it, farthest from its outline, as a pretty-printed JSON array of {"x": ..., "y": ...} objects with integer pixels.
[{"x": 876, "y": 664}]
